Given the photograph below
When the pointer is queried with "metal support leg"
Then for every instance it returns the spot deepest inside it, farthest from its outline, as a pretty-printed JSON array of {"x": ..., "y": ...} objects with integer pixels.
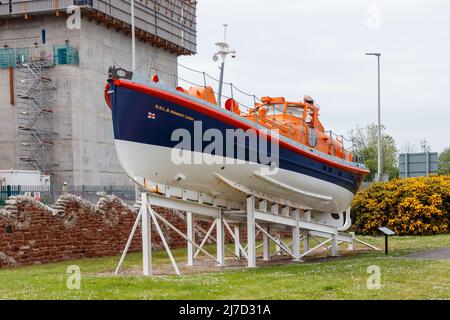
[
  {"x": 237, "y": 240},
  {"x": 277, "y": 247},
  {"x": 334, "y": 244},
  {"x": 191, "y": 236},
  {"x": 181, "y": 234},
  {"x": 288, "y": 245},
  {"x": 306, "y": 237},
  {"x": 266, "y": 244},
  {"x": 296, "y": 239},
  {"x": 207, "y": 236},
  {"x": 220, "y": 241},
  {"x": 351, "y": 245},
  {"x": 211, "y": 237},
  {"x": 367, "y": 244},
  {"x": 315, "y": 248},
  {"x": 296, "y": 243},
  {"x": 163, "y": 240},
  {"x": 305, "y": 241},
  {"x": 251, "y": 232},
  {"x": 307, "y": 215},
  {"x": 283, "y": 246},
  {"x": 130, "y": 238},
  {"x": 146, "y": 236}
]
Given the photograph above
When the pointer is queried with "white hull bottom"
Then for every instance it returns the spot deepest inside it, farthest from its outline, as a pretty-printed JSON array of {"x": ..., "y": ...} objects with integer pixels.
[{"x": 154, "y": 163}]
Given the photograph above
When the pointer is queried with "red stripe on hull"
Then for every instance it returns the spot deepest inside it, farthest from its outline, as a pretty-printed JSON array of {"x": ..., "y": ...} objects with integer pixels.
[{"x": 229, "y": 120}]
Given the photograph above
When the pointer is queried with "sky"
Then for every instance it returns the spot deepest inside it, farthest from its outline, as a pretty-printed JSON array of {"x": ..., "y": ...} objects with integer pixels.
[{"x": 294, "y": 48}]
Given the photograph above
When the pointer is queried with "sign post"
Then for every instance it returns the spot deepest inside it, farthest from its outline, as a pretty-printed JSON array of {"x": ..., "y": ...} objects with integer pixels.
[{"x": 387, "y": 232}]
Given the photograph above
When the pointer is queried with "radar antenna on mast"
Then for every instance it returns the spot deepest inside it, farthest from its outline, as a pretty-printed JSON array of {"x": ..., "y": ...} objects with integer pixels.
[{"x": 224, "y": 51}]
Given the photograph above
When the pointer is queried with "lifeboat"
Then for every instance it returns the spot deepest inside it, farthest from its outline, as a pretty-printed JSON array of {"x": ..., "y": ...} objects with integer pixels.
[{"x": 181, "y": 137}]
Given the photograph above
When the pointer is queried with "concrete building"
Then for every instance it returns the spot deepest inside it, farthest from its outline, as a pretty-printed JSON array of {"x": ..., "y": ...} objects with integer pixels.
[{"x": 76, "y": 143}]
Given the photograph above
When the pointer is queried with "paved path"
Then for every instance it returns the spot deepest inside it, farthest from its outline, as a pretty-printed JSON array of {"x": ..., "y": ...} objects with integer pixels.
[{"x": 440, "y": 253}]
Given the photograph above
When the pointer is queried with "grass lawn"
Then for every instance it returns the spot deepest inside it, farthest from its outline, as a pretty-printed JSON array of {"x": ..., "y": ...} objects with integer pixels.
[{"x": 342, "y": 278}]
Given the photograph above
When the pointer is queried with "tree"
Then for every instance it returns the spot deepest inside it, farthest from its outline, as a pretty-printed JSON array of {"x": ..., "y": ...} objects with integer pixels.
[
  {"x": 444, "y": 162},
  {"x": 365, "y": 141},
  {"x": 409, "y": 147}
]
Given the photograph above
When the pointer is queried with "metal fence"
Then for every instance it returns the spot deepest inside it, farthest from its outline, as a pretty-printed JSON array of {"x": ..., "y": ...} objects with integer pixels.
[{"x": 49, "y": 194}]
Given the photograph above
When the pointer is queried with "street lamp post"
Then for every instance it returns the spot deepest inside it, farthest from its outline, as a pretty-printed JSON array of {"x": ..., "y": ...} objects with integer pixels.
[
  {"x": 133, "y": 65},
  {"x": 379, "y": 171},
  {"x": 224, "y": 51},
  {"x": 133, "y": 38}
]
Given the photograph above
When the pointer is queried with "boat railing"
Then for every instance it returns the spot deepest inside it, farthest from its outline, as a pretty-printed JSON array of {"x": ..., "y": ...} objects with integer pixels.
[
  {"x": 299, "y": 130},
  {"x": 335, "y": 145}
]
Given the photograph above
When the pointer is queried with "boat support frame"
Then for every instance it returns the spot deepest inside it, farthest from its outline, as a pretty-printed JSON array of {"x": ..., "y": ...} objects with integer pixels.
[{"x": 263, "y": 219}]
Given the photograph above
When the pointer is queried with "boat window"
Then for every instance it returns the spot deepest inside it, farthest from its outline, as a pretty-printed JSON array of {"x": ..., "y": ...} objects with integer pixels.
[
  {"x": 310, "y": 117},
  {"x": 296, "y": 111},
  {"x": 275, "y": 109}
]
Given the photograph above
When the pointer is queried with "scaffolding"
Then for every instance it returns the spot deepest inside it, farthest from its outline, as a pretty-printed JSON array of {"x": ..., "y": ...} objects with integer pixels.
[
  {"x": 33, "y": 85},
  {"x": 35, "y": 112},
  {"x": 13, "y": 56}
]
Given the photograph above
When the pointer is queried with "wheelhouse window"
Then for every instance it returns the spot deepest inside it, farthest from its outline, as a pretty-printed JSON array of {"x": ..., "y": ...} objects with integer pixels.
[
  {"x": 310, "y": 117},
  {"x": 274, "y": 109},
  {"x": 296, "y": 111}
]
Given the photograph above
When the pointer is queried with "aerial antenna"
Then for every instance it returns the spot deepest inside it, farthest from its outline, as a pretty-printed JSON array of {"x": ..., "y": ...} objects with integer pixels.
[
  {"x": 225, "y": 32},
  {"x": 224, "y": 51}
]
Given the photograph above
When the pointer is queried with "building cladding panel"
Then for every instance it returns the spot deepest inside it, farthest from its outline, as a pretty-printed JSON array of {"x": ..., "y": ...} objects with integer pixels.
[
  {"x": 83, "y": 147},
  {"x": 167, "y": 23}
]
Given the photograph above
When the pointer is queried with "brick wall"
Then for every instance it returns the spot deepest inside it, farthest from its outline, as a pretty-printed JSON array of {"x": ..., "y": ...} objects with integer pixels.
[{"x": 33, "y": 233}]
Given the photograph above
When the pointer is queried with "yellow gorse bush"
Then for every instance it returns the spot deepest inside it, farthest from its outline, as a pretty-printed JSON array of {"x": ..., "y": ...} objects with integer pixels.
[{"x": 413, "y": 206}]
